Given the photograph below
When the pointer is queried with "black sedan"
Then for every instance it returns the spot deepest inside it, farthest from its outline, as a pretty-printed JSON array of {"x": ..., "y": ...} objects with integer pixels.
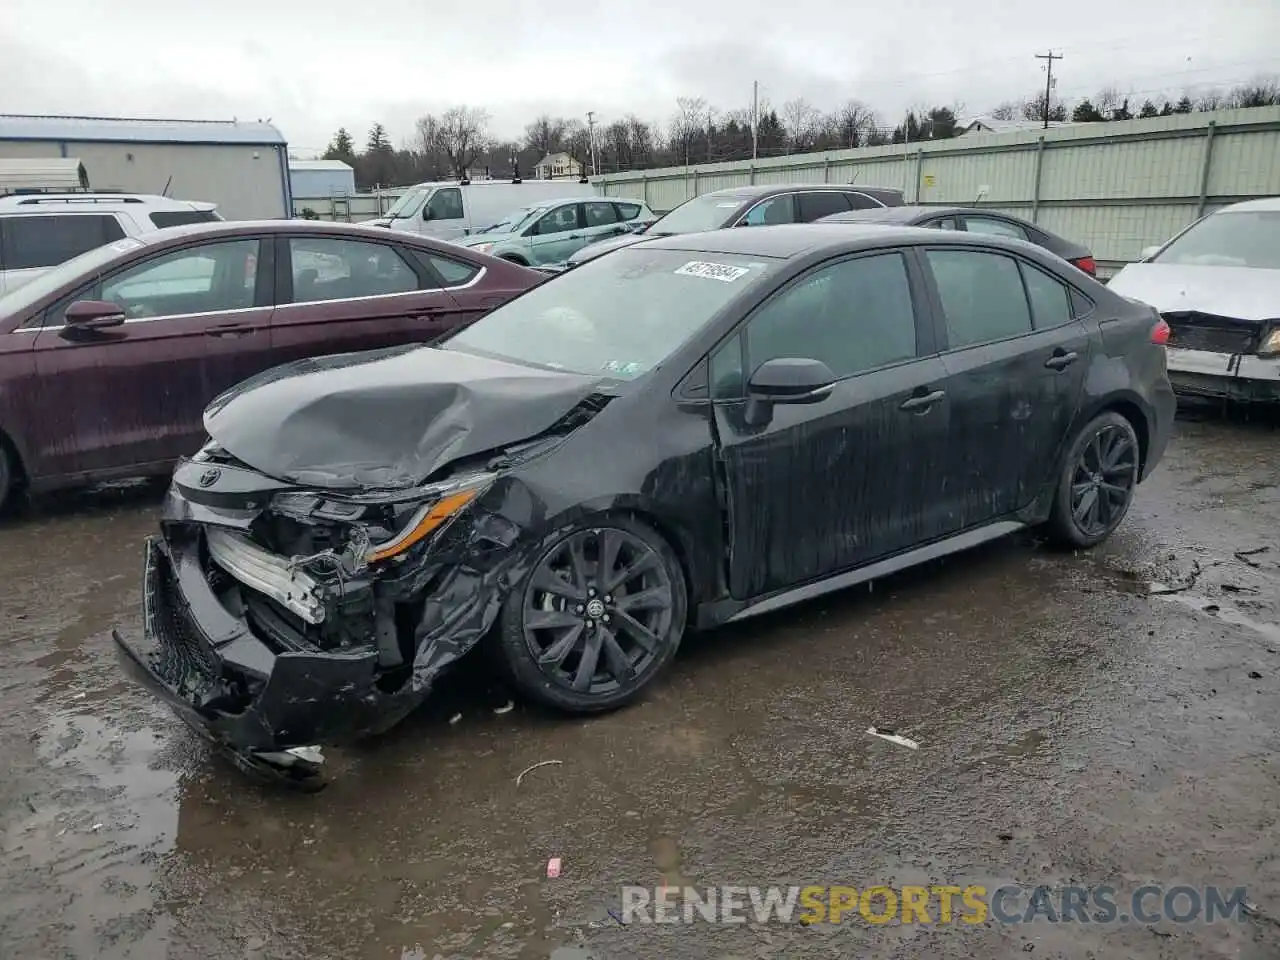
[
  {"x": 973, "y": 220},
  {"x": 682, "y": 434}
]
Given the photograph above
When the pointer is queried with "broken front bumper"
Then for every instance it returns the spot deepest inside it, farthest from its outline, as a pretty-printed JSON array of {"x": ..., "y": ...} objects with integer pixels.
[
  {"x": 207, "y": 665},
  {"x": 1207, "y": 373}
]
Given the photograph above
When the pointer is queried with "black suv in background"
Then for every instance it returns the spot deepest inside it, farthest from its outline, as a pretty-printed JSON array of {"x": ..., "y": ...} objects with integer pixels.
[{"x": 749, "y": 207}]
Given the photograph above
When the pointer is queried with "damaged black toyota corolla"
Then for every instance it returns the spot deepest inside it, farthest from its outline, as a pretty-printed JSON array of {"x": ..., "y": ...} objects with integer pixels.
[{"x": 687, "y": 432}]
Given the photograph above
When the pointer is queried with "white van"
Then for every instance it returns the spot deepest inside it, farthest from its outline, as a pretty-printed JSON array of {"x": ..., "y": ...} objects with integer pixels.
[{"x": 451, "y": 209}]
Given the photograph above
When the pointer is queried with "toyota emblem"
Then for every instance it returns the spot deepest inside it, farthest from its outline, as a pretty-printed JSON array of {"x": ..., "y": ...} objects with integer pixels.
[{"x": 209, "y": 477}]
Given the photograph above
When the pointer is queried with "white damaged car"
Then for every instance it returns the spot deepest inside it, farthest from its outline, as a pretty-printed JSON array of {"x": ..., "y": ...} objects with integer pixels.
[{"x": 1217, "y": 285}]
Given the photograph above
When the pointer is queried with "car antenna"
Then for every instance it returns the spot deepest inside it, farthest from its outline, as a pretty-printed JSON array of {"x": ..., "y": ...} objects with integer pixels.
[{"x": 168, "y": 183}]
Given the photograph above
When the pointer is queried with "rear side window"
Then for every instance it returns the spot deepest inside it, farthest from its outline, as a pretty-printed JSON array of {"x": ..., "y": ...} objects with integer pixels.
[
  {"x": 815, "y": 205},
  {"x": 331, "y": 269},
  {"x": 454, "y": 273},
  {"x": 180, "y": 218},
  {"x": 628, "y": 211},
  {"x": 599, "y": 214},
  {"x": 1050, "y": 299},
  {"x": 860, "y": 201},
  {"x": 982, "y": 296},
  {"x": 46, "y": 241},
  {"x": 993, "y": 227}
]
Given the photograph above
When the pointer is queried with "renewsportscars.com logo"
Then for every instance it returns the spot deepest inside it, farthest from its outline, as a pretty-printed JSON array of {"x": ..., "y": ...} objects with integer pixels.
[{"x": 937, "y": 904}]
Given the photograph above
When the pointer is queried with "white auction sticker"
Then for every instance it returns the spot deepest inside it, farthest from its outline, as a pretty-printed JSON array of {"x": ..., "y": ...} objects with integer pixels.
[{"x": 712, "y": 271}]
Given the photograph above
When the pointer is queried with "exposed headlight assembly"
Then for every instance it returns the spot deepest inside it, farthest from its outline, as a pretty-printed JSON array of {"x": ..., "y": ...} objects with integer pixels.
[
  {"x": 1270, "y": 345},
  {"x": 390, "y": 522}
]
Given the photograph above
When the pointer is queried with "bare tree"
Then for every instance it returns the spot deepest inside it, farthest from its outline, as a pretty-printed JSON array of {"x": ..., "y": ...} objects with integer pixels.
[
  {"x": 545, "y": 135},
  {"x": 854, "y": 120},
  {"x": 577, "y": 143},
  {"x": 643, "y": 141},
  {"x": 1210, "y": 100},
  {"x": 463, "y": 136},
  {"x": 1004, "y": 111},
  {"x": 1108, "y": 101},
  {"x": 801, "y": 120},
  {"x": 686, "y": 124}
]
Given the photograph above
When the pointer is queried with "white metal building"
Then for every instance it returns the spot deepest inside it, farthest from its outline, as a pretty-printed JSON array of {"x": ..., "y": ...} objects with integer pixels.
[
  {"x": 240, "y": 166},
  {"x": 321, "y": 178}
]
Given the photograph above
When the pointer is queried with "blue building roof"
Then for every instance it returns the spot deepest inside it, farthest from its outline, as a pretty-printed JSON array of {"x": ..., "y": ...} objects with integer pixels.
[{"x": 123, "y": 130}]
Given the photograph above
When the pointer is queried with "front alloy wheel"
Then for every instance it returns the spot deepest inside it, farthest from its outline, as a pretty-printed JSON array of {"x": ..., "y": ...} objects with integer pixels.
[{"x": 598, "y": 616}]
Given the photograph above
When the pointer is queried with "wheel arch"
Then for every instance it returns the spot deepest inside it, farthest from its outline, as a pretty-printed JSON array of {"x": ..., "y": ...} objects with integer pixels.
[{"x": 17, "y": 461}]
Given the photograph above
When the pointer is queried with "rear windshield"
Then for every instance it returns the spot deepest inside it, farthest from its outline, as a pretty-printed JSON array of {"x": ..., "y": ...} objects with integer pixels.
[
  {"x": 180, "y": 218},
  {"x": 707, "y": 212},
  {"x": 616, "y": 316},
  {"x": 1245, "y": 238}
]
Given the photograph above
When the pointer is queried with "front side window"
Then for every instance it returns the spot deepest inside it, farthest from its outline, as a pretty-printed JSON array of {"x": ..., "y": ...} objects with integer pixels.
[
  {"x": 46, "y": 241},
  {"x": 599, "y": 214},
  {"x": 982, "y": 296},
  {"x": 854, "y": 316},
  {"x": 773, "y": 211},
  {"x": 1244, "y": 238},
  {"x": 326, "y": 268},
  {"x": 205, "y": 279},
  {"x": 815, "y": 205},
  {"x": 445, "y": 204},
  {"x": 616, "y": 316},
  {"x": 628, "y": 211},
  {"x": 559, "y": 220},
  {"x": 990, "y": 226}
]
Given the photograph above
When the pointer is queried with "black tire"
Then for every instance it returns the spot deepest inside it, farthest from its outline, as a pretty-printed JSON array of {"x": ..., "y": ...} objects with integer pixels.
[
  {"x": 1097, "y": 482},
  {"x": 617, "y": 631}
]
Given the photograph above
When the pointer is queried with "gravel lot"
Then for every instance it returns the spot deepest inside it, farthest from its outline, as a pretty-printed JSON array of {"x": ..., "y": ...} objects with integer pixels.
[{"x": 1073, "y": 728}]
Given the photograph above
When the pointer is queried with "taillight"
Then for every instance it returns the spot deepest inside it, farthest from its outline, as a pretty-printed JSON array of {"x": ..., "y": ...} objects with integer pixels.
[
  {"x": 1087, "y": 264},
  {"x": 1160, "y": 333}
]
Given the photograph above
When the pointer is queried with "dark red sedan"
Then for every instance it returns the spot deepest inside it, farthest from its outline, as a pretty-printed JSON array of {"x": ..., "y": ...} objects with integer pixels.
[{"x": 108, "y": 361}]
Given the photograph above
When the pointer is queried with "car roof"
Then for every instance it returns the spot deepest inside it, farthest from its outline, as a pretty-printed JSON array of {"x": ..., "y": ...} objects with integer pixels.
[
  {"x": 786, "y": 241},
  {"x": 234, "y": 228},
  {"x": 764, "y": 190},
  {"x": 35, "y": 203},
  {"x": 911, "y": 213},
  {"x": 1249, "y": 206}
]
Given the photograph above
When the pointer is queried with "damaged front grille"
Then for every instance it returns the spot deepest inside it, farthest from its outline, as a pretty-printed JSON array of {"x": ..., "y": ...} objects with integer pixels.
[
  {"x": 1203, "y": 331},
  {"x": 180, "y": 658}
]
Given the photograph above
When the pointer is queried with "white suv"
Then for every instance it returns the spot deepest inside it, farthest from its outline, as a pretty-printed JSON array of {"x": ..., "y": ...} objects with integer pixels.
[{"x": 41, "y": 230}]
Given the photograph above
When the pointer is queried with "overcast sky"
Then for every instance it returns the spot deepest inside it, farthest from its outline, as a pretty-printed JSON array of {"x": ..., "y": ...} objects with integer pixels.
[{"x": 316, "y": 65}]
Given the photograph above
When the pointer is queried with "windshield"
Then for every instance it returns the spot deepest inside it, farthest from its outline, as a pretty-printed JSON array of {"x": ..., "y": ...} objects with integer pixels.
[
  {"x": 512, "y": 222},
  {"x": 407, "y": 205},
  {"x": 1229, "y": 239},
  {"x": 49, "y": 281},
  {"x": 707, "y": 212},
  {"x": 617, "y": 316}
]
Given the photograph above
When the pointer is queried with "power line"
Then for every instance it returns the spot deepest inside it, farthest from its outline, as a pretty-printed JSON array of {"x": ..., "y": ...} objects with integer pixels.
[{"x": 1048, "y": 83}]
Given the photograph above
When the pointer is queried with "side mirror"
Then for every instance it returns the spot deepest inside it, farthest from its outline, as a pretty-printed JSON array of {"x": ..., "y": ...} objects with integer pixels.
[
  {"x": 94, "y": 315},
  {"x": 1149, "y": 252},
  {"x": 786, "y": 380}
]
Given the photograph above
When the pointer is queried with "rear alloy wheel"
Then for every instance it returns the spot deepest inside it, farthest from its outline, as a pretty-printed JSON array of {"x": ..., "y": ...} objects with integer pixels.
[
  {"x": 1097, "y": 484},
  {"x": 596, "y": 619}
]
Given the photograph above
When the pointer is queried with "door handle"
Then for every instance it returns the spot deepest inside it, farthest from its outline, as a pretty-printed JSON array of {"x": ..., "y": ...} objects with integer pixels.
[
  {"x": 1060, "y": 361},
  {"x": 228, "y": 330},
  {"x": 923, "y": 402}
]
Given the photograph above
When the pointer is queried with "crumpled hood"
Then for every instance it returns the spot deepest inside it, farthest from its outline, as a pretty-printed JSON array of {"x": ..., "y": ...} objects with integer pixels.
[
  {"x": 593, "y": 250},
  {"x": 1245, "y": 293},
  {"x": 386, "y": 418}
]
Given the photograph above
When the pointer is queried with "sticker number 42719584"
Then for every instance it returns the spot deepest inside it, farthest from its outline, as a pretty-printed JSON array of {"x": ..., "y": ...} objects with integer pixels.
[{"x": 712, "y": 271}]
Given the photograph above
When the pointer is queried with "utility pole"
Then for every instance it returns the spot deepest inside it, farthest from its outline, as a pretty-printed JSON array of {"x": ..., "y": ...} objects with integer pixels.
[
  {"x": 591, "y": 141},
  {"x": 755, "y": 117},
  {"x": 1048, "y": 80}
]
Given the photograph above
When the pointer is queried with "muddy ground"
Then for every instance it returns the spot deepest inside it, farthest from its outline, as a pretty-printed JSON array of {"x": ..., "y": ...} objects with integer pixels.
[{"x": 1073, "y": 728}]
